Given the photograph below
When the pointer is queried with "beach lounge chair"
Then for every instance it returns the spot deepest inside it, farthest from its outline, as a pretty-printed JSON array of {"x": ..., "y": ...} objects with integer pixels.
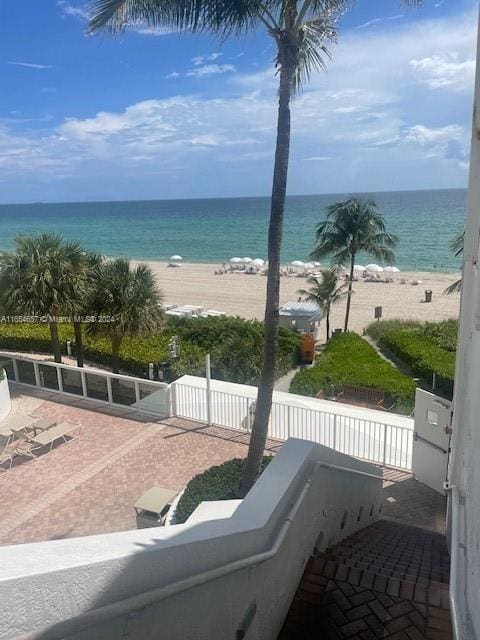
[
  {"x": 16, "y": 422},
  {"x": 64, "y": 432}
]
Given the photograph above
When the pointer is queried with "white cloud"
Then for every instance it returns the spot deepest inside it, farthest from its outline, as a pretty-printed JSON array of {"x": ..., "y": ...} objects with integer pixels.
[
  {"x": 210, "y": 70},
  {"x": 76, "y": 11},
  {"x": 445, "y": 71},
  {"x": 31, "y": 65},
  {"x": 370, "y": 23},
  {"x": 200, "y": 60},
  {"x": 172, "y": 75}
]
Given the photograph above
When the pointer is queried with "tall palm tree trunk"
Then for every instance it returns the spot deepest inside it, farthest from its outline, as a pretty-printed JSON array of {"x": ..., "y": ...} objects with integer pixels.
[
  {"x": 77, "y": 328},
  {"x": 327, "y": 321},
  {"x": 57, "y": 352},
  {"x": 259, "y": 433},
  {"x": 349, "y": 295}
]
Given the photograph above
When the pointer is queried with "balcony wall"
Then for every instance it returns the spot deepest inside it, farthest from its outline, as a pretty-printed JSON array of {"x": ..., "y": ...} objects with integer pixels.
[{"x": 201, "y": 580}]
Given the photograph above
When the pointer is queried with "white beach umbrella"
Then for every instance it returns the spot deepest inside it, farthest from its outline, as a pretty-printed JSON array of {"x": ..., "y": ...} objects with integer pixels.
[
  {"x": 392, "y": 270},
  {"x": 309, "y": 265},
  {"x": 317, "y": 264},
  {"x": 247, "y": 260},
  {"x": 374, "y": 268},
  {"x": 258, "y": 262},
  {"x": 297, "y": 263},
  {"x": 176, "y": 257},
  {"x": 235, "y": 260},
  {"x": 359, "y": 267}
]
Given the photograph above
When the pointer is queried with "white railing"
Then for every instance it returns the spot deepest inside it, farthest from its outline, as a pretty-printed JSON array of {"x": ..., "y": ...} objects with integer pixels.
[
  {"x": 91, "y": 384},
  {"x": 379, "y": 441}
]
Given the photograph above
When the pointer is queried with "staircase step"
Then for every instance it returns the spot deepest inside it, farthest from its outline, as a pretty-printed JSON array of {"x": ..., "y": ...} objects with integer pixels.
[{"x": 385, "y": 581}]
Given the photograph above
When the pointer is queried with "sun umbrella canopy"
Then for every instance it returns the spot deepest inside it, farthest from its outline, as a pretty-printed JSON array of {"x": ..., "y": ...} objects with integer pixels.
[
  {"x": 317, "y": 264},
  {"x": 297, "y": 263},
  {"x": 374, "y": 268},
  {"x": 359, "y": 267},
  {"x": 392, "y": 270},
  {"x": 258, "y": 261},
  {"x": 235, "y": 260},
  {"x": 246, "y": 260},
  {"x": 176, "y": 257}
]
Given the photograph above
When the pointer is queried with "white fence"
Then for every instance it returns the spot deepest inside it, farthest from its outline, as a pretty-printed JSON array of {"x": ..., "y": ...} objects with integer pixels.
[
  {"x": 91, "y": 384},
  {"x": 361, "y": 434}
]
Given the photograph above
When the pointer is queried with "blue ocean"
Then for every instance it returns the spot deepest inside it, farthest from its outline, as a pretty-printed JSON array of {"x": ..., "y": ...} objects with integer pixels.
[{"x": 214, "y": 230}]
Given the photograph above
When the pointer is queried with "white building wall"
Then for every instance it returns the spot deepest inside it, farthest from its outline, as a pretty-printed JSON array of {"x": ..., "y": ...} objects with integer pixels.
[
  {"x": 464, "y": 473},
  {"x": 196, "y": 581}
]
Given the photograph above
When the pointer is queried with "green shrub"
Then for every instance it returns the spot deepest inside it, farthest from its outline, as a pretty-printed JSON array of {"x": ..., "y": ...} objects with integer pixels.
[
  {"x": 348, "y": 359},
  {"x": 235, "y": 345},
  {"x": 427, "y": 349},
  {"x": 217, "y": 483}
]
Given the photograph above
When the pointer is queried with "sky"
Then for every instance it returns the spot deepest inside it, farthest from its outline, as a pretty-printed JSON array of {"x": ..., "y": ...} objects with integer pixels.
[{"x": 151, "y": 114}]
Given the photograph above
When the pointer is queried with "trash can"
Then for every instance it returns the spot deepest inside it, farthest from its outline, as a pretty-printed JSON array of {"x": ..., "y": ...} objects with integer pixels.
[{"x": 428, "y": 295}]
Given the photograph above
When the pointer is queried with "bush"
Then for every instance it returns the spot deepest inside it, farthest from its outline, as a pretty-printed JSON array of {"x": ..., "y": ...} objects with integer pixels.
[
  {"x": 235, "y": 345},
  {"x": 349, "y": 360},
  {"x": 217, "y": 483},
  {"x": 426, "y": 349}
]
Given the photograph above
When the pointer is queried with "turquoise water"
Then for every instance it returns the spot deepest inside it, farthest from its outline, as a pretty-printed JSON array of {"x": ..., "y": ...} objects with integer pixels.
[{"x": 214, "y": 230}]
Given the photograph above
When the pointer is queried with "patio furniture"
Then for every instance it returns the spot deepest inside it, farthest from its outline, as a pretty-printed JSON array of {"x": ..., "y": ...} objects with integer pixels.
[
  {"x": 15, "y": 423},
  {"x": 152, "y": 507},
  {"x": 65, "y": 432},
  {"x": 6, "y": 461}
]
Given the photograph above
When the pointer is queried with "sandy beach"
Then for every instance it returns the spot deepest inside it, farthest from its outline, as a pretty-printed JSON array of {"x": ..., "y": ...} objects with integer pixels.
[{"x": 244, "y": 295}]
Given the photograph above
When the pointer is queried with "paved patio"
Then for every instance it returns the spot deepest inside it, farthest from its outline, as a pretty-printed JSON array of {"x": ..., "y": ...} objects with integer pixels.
[{"x": 89, "y": 486}]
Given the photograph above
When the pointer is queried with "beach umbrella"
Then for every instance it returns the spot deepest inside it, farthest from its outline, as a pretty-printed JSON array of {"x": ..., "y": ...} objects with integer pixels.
[
  {"x": 297, "y": 263},
  {"x": 392, "y": 270},
  {"x": 359, "y": 267},
  {"x": 176, "y": 257},
  {"x": 374, "y": 268},
  {"x": 258, "y": 262},
  {"x": 246, "y": 260},
  {"x": 317, "y": 264},
  {"x": 235, "y": 260}
]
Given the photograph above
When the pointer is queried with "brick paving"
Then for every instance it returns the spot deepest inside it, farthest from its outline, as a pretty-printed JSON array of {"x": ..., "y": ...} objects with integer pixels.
[
  {"x": 89, "y": 485},
  {"x": 389, "y": 580}
]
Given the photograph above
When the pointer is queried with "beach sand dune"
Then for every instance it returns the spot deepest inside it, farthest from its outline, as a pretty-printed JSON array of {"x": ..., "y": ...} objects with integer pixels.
[{"x": 244, "y": 295}]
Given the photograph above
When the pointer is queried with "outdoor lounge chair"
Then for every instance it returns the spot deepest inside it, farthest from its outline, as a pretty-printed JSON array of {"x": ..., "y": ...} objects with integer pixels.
[
  {"x": 65, "y": 432},
  {"x": 6, "y": 461},
  {"x": 15, "y": 423}
]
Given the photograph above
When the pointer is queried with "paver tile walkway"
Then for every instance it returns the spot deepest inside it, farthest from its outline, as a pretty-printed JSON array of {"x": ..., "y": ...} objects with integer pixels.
[{"x": 89, "y": 486}]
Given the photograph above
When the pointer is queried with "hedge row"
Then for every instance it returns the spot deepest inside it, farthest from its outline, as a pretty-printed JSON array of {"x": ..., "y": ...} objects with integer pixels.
[
  {"x": 235, "y": 346},
  {"x": 217, "y": 483},
  {"x": 427, "y": 349},
  {"x": 348, "y": 359}
]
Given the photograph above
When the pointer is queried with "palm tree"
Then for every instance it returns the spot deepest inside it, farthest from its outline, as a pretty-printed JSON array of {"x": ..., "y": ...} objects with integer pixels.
[
  {"x": 351, "y": 226},
  {"x": 93, "y": 262},
  {"x": 325, "y": 292},
  {"x": 456, "y": 246},
  {"x": 42, "y": 277},
  {"x": 301, "y": 31},
  {"x": 126, "y": 302}
]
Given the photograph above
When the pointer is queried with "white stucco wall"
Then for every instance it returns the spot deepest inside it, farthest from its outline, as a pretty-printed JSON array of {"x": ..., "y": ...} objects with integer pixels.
[
  {"x": 5, "y": 401},
  {"x": 293, "y": 503},
  {"x": 464, "y": 471}
]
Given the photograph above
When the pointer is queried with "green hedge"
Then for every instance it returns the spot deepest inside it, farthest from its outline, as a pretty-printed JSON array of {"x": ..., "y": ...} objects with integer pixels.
[
  {"x": 348, "y": 359},
  {"x": 426, "y": 349},
  {"x": 235, "y": 345},
  {"x": 217, "y": 483}
]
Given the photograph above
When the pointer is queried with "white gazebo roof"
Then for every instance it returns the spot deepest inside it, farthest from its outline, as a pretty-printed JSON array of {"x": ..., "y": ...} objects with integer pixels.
[{"x": 301, "y": 309}]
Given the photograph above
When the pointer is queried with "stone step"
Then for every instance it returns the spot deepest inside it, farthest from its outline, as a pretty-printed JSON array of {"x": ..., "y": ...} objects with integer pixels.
[{"x": 338, "y": 597}]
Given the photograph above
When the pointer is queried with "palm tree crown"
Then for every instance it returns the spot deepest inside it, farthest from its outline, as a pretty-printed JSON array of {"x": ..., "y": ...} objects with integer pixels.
[
  {"x": 44, "y": 276},
  {"x": 325, "y": 292},
  {"x": 130, "y": 298},
  {"x": 351, "y": 226}
]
